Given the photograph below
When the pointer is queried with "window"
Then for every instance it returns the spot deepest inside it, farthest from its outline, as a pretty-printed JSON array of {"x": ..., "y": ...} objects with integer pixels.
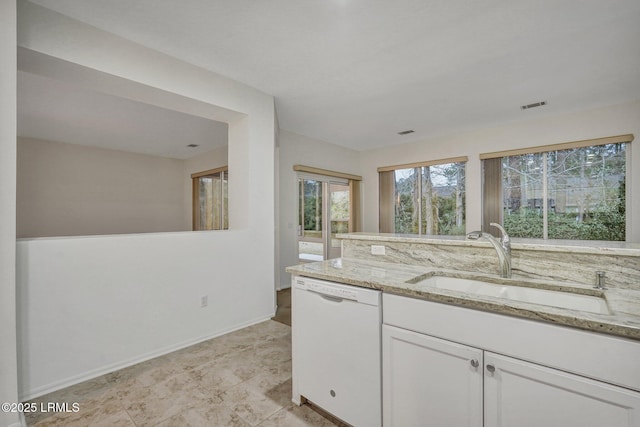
[
  {"x": 574, "y": 191},
  {"x": 210, "y": 199},
  {"x": 423, "y": 198}
]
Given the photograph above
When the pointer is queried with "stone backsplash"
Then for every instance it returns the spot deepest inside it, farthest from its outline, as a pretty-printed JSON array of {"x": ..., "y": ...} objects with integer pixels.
[{"x": 557, "y": 263}]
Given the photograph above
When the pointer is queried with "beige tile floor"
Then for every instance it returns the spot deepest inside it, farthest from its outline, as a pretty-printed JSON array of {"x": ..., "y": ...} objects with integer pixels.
[{"x": 239, "y": 379}]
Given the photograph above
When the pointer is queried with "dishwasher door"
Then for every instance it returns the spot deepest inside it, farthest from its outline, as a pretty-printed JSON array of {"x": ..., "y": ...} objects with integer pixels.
[{"x": 336, "y": 349}]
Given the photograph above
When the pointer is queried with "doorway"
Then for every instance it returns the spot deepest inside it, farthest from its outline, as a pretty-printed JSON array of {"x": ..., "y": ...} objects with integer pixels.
[{"x": 324, "y": 209}]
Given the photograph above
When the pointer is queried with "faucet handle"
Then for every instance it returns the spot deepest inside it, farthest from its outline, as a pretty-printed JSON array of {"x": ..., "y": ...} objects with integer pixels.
[{"x": 601, "y": 278}]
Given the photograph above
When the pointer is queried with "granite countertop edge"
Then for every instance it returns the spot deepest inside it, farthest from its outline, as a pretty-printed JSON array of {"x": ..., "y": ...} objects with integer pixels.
[{"x": 392, "y": 278}]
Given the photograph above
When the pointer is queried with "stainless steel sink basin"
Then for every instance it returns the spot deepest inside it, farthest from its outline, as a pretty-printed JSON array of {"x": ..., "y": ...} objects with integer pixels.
[{"x": 569, "y": 300}]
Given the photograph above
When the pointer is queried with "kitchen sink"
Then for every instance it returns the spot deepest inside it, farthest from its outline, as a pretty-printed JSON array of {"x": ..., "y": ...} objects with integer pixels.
[{"x": 561, "y": 299}]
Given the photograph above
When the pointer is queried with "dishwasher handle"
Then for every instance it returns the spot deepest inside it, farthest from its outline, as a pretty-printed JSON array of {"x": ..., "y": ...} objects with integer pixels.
[
  {"x": 338, "y": 291},
  {"x": 330, "y": 292},
  {"x": 329, "y": 297}
]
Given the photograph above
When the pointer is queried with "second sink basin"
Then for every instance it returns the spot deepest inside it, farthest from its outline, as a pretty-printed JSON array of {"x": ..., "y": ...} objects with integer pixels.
[{"x": 572, "y": 301}]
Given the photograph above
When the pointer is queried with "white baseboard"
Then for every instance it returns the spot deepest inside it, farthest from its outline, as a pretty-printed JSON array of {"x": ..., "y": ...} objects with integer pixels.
[{"x": 67, "y": 382}]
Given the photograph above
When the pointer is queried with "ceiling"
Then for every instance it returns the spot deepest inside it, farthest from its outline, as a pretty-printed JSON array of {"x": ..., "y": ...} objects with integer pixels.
[
  {"x": 356, "y": 72},
  {"x": 57, "y": 111}
]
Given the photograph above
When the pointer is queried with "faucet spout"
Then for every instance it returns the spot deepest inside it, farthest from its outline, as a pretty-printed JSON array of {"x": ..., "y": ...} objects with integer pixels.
[{"x": 502, "y": 247}]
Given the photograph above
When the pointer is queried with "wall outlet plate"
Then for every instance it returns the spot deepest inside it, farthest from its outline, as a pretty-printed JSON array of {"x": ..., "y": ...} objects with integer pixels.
[{"x": 378, "y": 250}]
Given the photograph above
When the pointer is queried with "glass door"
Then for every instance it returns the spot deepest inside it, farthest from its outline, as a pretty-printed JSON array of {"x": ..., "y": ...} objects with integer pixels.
[
  {"x": 310, "y": 235},
  {"x": 323, "y": 211},
  {"x": 338, "y": 216}
]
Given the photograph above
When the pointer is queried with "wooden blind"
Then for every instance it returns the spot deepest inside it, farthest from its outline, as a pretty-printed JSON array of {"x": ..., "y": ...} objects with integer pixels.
[
  {"x": 209, "y": 172},
  {"x": 421, "y": 164},
  {"x": 491, "y": 194},
  {"x": 386, "y": 204},
  {"x": 354, "y": 206},
  {"x": 325, "y": 172},
  {"x": 562, "y": 146}
]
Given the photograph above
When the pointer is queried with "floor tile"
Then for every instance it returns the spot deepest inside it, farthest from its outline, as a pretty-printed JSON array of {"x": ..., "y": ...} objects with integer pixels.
[
  {"x": 296, "y": 416},
  {"x": 100, "y": 410},
  {"x": 240, "y": 379}
]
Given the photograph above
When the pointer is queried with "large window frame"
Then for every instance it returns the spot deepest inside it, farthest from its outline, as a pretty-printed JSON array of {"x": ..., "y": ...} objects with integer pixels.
[
  {"x": 425, "y": 215},
  {"x": 213, "y": 212},
  {"x": 493, "y": 198}
]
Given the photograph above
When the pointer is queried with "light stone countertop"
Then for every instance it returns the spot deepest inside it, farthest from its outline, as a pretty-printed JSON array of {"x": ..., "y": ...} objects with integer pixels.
[{"x": 393, "y": 278}]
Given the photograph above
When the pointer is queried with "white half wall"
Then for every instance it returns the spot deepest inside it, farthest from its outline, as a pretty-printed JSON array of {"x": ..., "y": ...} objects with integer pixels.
[
  {"x": 539, "y": 130},
  {"x": 300, "y": 150},
  {"x": 90, "y": 305},
  {"x": 8, "y": 129},
  {"x": 151, "y": 282}
]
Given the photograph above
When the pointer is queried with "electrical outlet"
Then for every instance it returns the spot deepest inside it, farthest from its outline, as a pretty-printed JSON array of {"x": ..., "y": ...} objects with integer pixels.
[
  {"x": 204, "y": 301},
  {"x": 378, "y": 250}
]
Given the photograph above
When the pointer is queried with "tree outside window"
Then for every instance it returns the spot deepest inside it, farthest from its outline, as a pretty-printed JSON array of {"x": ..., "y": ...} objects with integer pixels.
[
  {"x": 578, "y": 193},
  {"x": 429, "y": 199}
]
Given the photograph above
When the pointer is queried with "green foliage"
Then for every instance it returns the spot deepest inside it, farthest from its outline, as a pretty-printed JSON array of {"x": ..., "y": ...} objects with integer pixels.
[
  {"x": 312, "y": 205},
  {"x": 525, "y": 223},
  {"x": 608, "y": 220},
  {"x": 605, "y": 222},
  {"x": 446, "y": 209}
]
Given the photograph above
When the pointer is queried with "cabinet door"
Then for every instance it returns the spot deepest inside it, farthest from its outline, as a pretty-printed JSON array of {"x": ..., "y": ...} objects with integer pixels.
[
  {"x": 427, "y": 381},
  {"x": 523, "y": 394}
]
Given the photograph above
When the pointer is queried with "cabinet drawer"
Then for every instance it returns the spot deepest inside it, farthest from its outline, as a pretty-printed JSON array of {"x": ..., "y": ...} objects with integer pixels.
[{"x": 602, "y": 357}]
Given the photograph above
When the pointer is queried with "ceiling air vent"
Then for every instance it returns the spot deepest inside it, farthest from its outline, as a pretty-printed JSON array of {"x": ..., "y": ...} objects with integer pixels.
[
  {"x": 193, "y": 145},
  {"x": 406, "y": 132},
  {"x": 534, "y": 105}
]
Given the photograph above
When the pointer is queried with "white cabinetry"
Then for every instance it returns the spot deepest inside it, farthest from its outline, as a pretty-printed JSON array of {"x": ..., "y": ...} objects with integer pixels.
[
  {"x": 478, "y": 371},
  {"x": 518, "y": 393},
  {"x": 429, "y": 382}
]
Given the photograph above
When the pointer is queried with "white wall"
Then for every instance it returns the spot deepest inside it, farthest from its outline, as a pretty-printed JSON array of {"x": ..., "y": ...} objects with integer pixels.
[
  {"x": 299, "y": 150},
  {"x": 152, "y": 283},
  {"x": 72, "y": 190},
  {"x": 8, "y": 82},
  {"x": 541, "y": 130}
]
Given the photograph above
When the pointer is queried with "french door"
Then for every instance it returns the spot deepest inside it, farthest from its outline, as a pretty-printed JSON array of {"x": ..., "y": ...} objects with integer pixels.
[{"x": 323, "y": 211}]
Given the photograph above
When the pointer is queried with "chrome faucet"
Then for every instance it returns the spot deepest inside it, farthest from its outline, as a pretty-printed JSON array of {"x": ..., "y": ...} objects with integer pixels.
[{"x": 502, "y": 247}]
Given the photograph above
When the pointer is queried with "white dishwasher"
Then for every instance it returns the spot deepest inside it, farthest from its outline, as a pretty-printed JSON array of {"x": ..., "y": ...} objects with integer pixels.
[{"x": 336, "y": 349}]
